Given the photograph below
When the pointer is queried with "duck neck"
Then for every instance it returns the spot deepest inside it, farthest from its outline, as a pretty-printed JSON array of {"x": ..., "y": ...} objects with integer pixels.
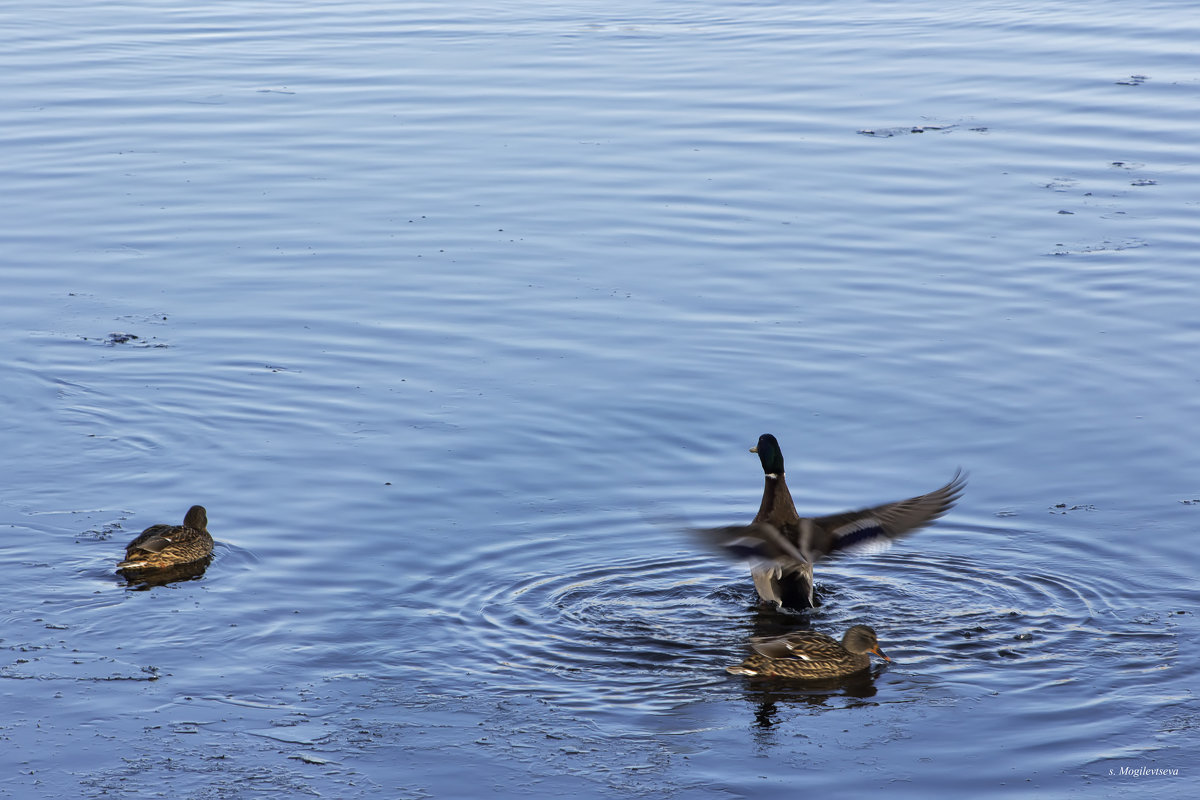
[{"x": 777, "y": 506}]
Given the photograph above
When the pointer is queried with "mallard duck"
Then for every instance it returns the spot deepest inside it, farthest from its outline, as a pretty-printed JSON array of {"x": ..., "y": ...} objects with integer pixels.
[
  {"x": 784, "y": 544},
  {"x": 809, "y": 655},
  {"x": 162, "y": 546}
]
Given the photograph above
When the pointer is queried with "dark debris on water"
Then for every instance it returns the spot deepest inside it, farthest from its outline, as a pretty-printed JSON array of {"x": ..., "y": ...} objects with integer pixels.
[
  {"x": 132, "y": 339},
  {"x": 1063, "y": 508},
  {"x": 885, "y": 133}
]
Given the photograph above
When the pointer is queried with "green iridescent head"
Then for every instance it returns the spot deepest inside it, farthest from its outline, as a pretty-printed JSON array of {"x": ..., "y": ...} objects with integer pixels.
[{"x": 769, "y": 454}]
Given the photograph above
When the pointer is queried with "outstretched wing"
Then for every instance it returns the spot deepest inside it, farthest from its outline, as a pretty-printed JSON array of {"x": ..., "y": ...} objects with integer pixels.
[
  {"x": 759, "y": 543},
  {"x": 876, "y": 528},
  {"x": 782, "y": 575}
]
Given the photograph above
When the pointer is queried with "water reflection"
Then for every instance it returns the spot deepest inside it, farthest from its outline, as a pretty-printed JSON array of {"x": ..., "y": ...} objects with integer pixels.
[
  {"x": 142, "y": 579},
  {"x": 769, "y": 696}
]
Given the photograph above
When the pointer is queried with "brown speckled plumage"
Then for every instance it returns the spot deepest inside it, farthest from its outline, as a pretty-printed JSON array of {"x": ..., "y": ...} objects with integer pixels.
[
  {"x": 808, "y": 655},
  {"x": 163, "y": 546}
]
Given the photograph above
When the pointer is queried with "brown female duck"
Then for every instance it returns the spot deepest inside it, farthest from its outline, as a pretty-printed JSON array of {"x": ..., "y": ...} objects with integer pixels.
[
  {"x": 163, "y": 546},
  {"x": 783, "y": 545},
  {"x": 808, "y": 655}
]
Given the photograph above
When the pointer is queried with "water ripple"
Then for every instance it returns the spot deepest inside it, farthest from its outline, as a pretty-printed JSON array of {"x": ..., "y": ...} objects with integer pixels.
[
  {"x": 592, "y": 627},
  {"x": 599, "y": 629}
]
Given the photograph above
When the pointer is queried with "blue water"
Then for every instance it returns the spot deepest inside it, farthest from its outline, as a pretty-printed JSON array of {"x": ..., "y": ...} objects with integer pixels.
[{"x": 455, "y": 317}]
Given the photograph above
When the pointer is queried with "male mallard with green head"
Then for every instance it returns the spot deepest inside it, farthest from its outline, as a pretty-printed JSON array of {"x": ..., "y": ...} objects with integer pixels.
[
  {"x": 808, "y": 655},
  {"x": 784, "y": 544},
  {"x": 162, "y": 546}
]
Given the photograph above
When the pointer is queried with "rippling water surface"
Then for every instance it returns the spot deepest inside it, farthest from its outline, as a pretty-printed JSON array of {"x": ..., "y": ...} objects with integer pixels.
[{"x": 455, "y": 318}]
